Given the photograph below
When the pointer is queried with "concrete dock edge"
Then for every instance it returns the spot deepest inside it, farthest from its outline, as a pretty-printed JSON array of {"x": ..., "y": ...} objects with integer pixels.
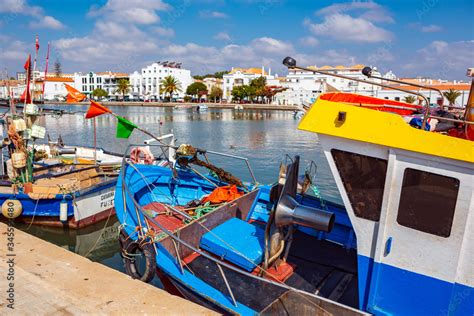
[{"x": 40, "y": 278}]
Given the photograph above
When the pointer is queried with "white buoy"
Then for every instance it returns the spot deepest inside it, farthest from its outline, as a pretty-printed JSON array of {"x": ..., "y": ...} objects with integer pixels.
[{"x": 63, "y": 211}]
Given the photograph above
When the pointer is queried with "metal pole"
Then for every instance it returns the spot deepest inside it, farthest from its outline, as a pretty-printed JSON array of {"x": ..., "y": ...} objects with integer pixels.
[{"x": 95, "y": 141}]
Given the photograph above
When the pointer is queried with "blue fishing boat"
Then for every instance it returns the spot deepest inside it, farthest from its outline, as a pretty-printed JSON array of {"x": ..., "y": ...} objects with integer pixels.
[
  {"x": 400, "y": 245},
  {"x": 215, "y": 254}
]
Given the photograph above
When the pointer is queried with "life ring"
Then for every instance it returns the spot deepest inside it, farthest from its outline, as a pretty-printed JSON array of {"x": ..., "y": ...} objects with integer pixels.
[
  {"x": 146, "y": 251},
  {"x": 137, "y": 152}
]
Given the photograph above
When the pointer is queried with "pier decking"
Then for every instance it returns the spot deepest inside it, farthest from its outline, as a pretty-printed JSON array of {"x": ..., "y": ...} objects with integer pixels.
[{"x": 51, "y": 280}]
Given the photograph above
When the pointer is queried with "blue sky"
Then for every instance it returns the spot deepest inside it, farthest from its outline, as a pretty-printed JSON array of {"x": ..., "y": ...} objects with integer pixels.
[{"x": 428, "y": 38}]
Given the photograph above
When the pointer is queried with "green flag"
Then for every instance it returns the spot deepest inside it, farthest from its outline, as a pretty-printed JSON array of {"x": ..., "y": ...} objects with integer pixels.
[{"x": 124, "y": 127}]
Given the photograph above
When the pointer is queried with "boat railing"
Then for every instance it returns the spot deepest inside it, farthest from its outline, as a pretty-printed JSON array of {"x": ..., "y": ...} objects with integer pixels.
[
  {"x": 168, "y": 152},
  {"x": 178, "y": 242}
]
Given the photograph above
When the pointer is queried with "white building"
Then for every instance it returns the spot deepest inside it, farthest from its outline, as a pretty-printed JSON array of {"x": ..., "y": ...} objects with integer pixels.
[
  {"x": 303, "y": 87},
  {"x": 11, "y": 88},
  {"x": 212, "y": 82},
  {"x": 243, "y": 76},
  {"x": 108, "y": 81},
  {"x": 298, "y": 93},
  {"x": 432, "y": 96},
  {"x": 147, "y": 82},
  {"x": 54, "y": 87}
]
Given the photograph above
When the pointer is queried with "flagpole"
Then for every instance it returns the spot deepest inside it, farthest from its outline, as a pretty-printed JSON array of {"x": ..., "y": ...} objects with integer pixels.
[
  {"x": 34, "y": 67},
  {"x": 45, "y": 70},
  {"x": 36, "y": 52},
  {"x": 95, "y": 141}
]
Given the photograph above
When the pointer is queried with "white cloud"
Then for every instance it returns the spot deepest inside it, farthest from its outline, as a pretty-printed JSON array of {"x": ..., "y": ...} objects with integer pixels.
[
  {"x": 47, "y": 22},
  {"x": 12, "y": 51},
  {"x": 19, "y": 7},
  {"x": 164, "y": 31},
  {"x": 222, "y": 36},
  {"x": 440, "y": 59},
  {"x": 331, "y": 57},
  {"x": 132, "y": 11},
  {"x": 309, "y": 41},
  {"x": 272, "y": 46},
  {"x": 431, "y": 28},
  {"x": 353, "y": 21},
  {"x": 346, "y": 28},
  {"x": 212, "y": 14},
  {"x": 368, "y": 10}
]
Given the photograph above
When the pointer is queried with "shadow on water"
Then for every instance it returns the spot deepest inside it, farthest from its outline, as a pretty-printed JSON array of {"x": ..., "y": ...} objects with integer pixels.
[{"x": 264, "y": 137}]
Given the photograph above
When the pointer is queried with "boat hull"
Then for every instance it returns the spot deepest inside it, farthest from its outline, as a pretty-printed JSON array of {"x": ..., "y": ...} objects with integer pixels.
[{"x": 85, "y": 208}]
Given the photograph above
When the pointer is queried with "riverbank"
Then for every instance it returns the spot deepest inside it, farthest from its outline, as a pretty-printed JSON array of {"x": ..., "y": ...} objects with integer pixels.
[
  {"x": 250, "y": 106},
  {"x": 40, "y": 278}
]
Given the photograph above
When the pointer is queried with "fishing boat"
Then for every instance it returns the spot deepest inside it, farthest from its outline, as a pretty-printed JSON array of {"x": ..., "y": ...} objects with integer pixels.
[{"x": 399, "y": 245}]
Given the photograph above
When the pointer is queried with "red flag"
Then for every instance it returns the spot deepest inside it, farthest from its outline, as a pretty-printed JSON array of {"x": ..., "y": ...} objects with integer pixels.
[
  {"x": 96, "y": 109},
  {"x": 37, "y": 44},
  {"x": 73, "y": 95},
  {"x": 27, "y": 67}
]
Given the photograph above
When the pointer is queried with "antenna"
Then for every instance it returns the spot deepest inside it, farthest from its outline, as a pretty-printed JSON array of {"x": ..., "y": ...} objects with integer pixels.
[{"x": 367, "y": 71}]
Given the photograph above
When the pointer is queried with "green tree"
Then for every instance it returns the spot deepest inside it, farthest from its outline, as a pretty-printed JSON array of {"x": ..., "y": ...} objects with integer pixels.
[
  {"x": 239, "y": 93},
  {"x": 409, "y": 99},
  {"x": 257, "y": 88},
  {"x": 259, "y": 82},
  {"x": 220, "y": 74},
  {"x": 451, "y": 96},
  {"x": 170, "y": 85},
  {"x": 216, "y": 93},
  {"x": 196, "y": 88},
  {"x": 57, "y": 68},
  {"x": 217, "y": 74},
  {"x": 99, "y": 93},
  {"x": 123, "y": 87}
]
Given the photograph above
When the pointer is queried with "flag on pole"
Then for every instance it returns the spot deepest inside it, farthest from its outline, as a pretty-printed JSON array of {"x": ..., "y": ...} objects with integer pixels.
[
  {"x": 37, "y": 44},
  {"x": 124, "y": 127},
  {"x": 73, "y": 94},
  {"x": 96, "y": 109},
  {"x": 27, "y": 67}
]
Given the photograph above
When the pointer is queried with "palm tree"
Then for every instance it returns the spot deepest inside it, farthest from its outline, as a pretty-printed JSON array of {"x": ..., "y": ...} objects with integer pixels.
[
  {"x": 170, "y": 85},
  {"x": 451, "y": 96},
  {"x": 123, "y": 87},
  {"x": 409, "y": 99}
]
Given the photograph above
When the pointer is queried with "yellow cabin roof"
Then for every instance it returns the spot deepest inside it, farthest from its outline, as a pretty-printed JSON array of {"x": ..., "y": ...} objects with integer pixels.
[{"x": 365, "y": 125}]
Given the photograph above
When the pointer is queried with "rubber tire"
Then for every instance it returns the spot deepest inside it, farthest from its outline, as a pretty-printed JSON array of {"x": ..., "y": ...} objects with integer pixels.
[
  {"x": 130, "y": 263},
  {"x": 123, "y": 240}
]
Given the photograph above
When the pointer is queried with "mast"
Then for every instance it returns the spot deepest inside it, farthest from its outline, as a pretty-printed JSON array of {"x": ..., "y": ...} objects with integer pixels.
[{"x": 45, "y": 71}]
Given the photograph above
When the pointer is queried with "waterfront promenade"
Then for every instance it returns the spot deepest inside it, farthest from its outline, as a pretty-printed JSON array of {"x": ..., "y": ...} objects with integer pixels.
[
  {"x": 249, "y": 106},
  {"x": 49, "y": 280}
]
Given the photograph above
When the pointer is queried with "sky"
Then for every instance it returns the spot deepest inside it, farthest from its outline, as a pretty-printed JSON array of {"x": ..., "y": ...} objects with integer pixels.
[{"x": 431, "y": 38}]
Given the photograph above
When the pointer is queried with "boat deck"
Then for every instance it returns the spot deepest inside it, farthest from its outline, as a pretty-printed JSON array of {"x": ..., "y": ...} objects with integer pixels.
[{"x": 327, "y": 269}]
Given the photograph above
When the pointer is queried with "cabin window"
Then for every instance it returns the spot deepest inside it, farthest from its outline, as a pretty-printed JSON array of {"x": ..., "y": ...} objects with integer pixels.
[
  {"x": 364, "y": 180},
  {"x": 427, "y": 202}
]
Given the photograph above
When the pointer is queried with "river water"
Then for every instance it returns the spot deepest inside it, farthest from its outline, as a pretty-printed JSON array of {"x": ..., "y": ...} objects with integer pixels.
[{"x": 264, "y": 137}]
